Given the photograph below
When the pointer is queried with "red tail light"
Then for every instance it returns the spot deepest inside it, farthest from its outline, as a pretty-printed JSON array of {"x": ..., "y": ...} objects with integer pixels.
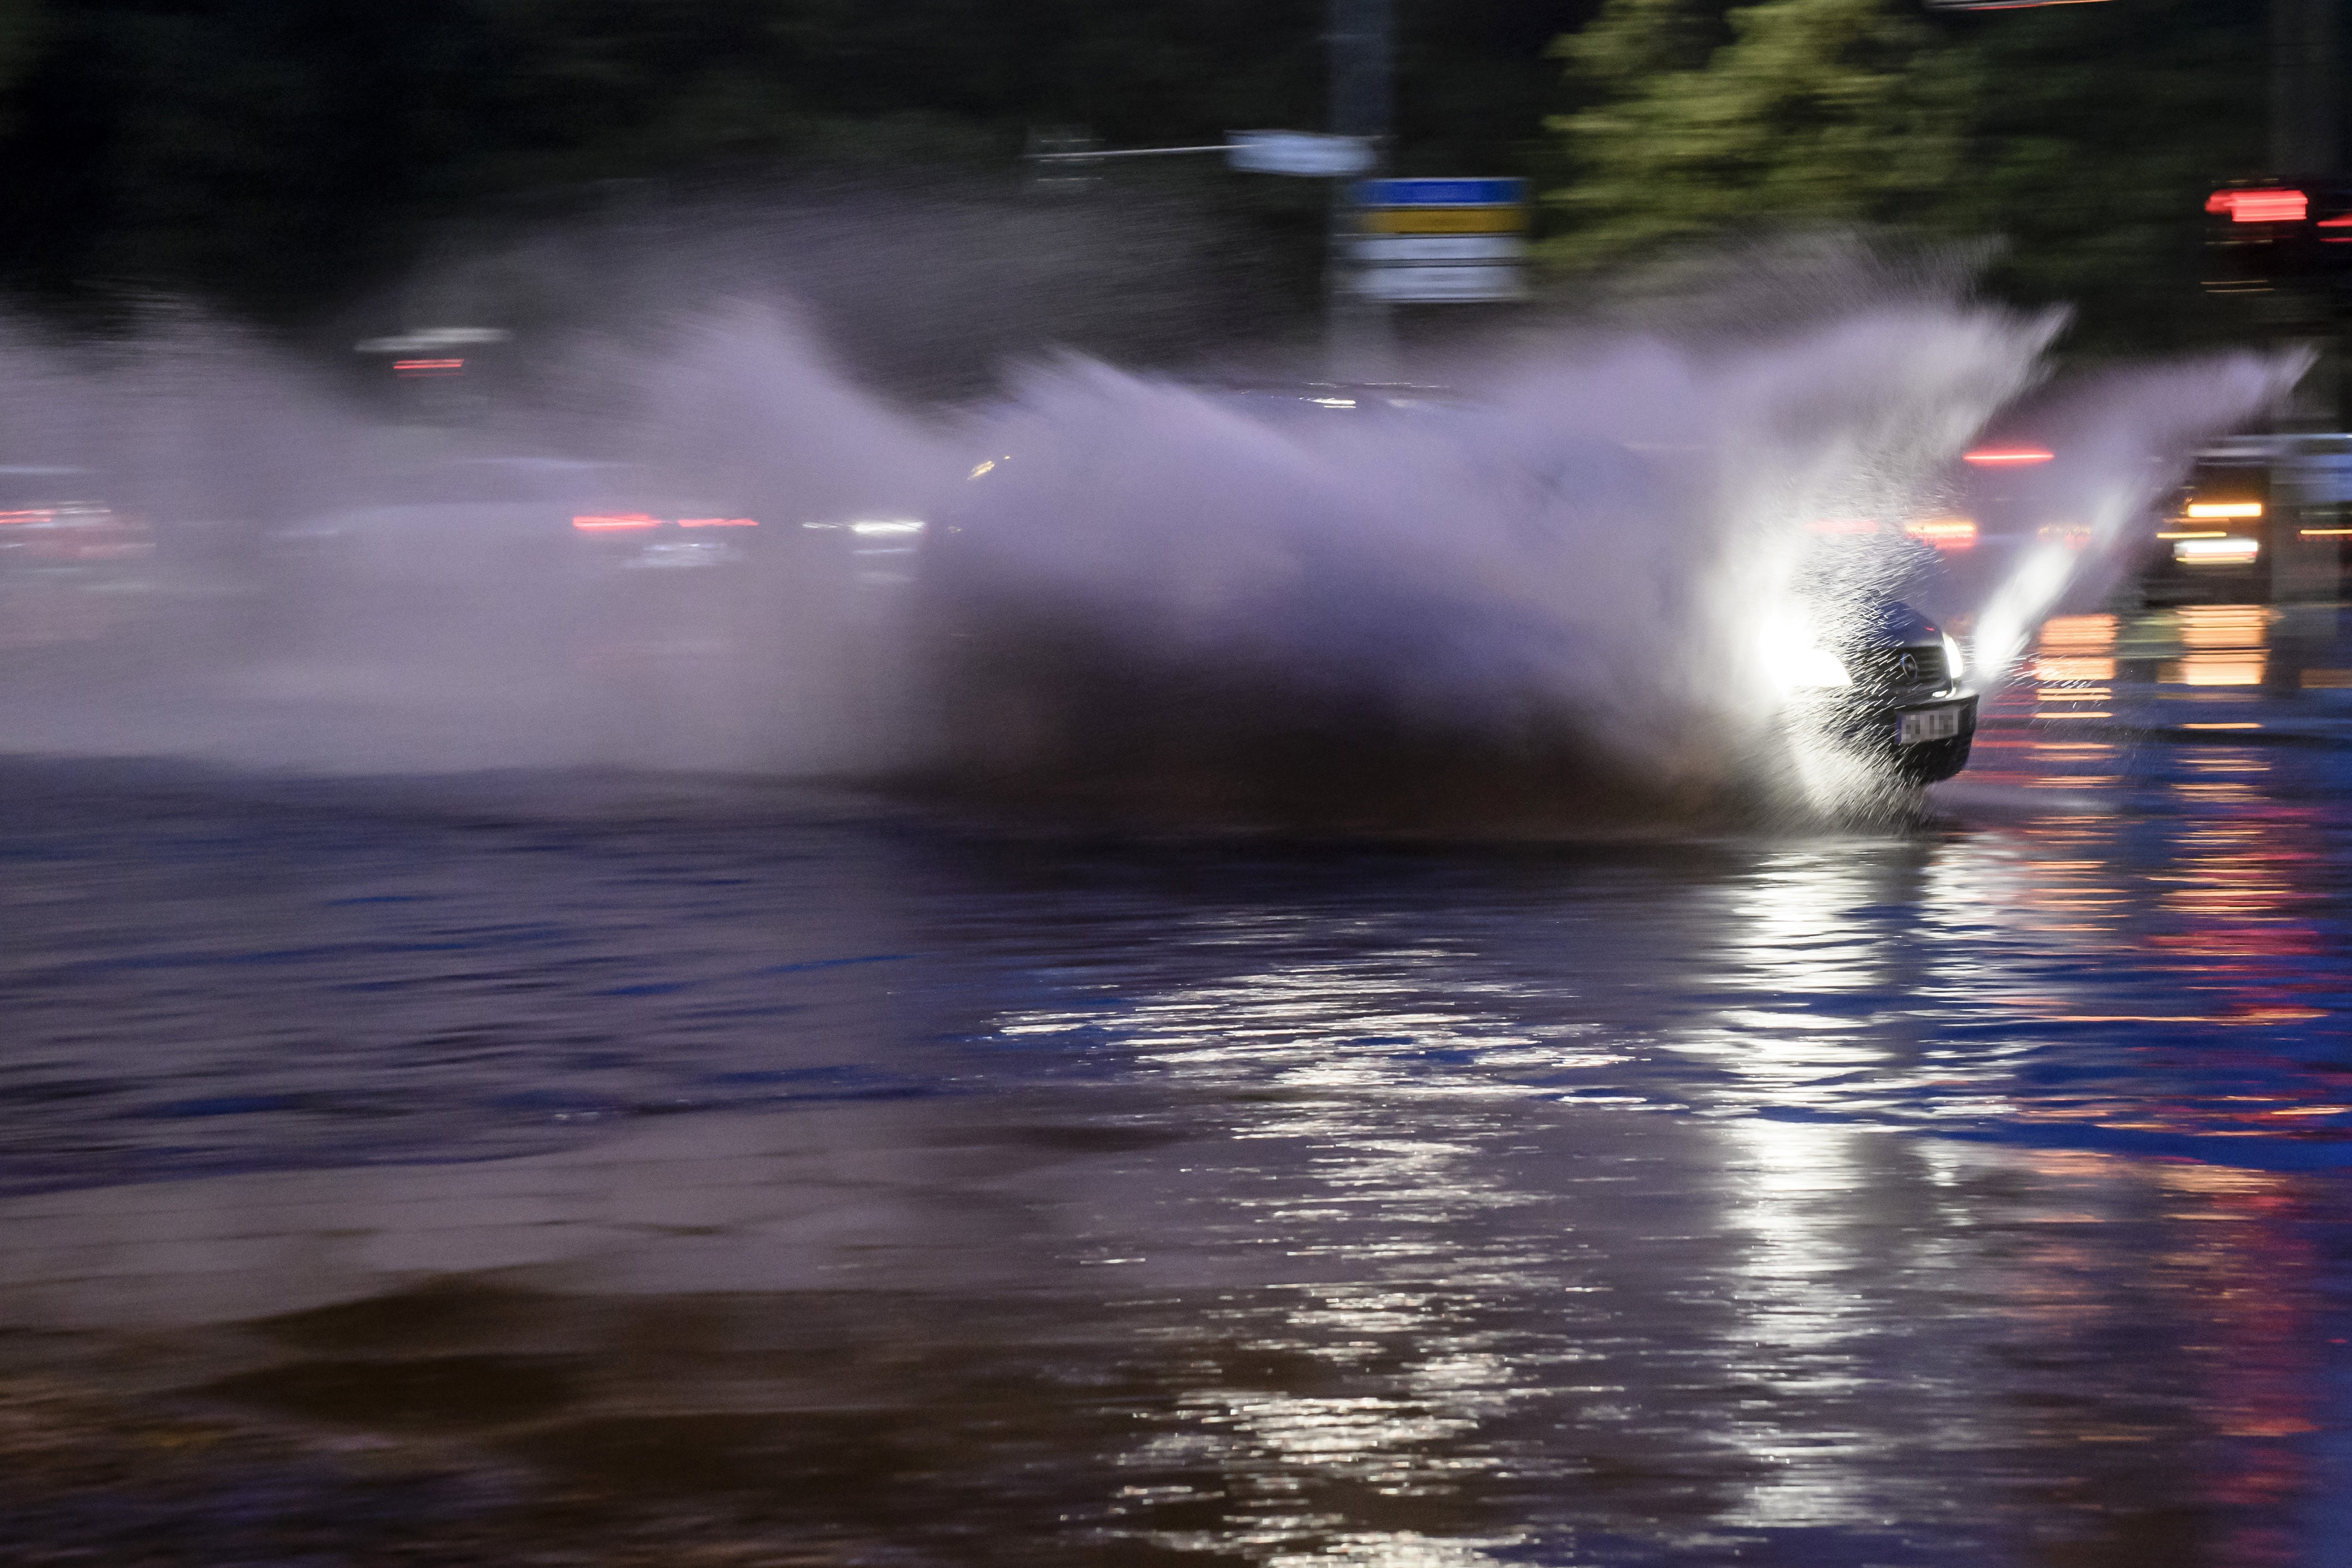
[{"x": 2279, "y": 206}]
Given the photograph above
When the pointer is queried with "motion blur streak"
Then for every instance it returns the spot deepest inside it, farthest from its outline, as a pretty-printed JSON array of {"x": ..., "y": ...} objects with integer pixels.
[{"x": 1545, "y": 599}]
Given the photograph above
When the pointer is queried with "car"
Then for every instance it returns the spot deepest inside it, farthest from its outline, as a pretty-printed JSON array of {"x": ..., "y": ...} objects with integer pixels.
[
  {"x": 517, "y": 559},
  {"x": 73, "y": 566},
  {"x": 1887, "y": 688},
  {"x": 2260, "y": 520},
  {"x": 2216, "y": 541}
]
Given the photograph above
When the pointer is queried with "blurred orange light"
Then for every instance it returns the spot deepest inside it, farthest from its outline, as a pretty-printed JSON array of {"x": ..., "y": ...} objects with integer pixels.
[
  {"x": 2229, "y": 669},
  {"x": 2094, "y": 632},
  {"x": 718, "y": 523},
  {"x": 2073, "y": 667},
  {"x": 598, "y": 523},
  {"x": 1944, "y": 533},
  {"x": 2006, "y": 456},
  {"x": 2269, "y": 206}
]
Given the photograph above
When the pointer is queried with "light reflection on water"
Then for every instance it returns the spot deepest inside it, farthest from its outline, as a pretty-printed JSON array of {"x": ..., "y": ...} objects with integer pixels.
[{"x": 1968, "y": 1196}]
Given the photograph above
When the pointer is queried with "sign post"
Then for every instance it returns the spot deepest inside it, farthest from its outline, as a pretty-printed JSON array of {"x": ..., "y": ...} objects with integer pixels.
[
  {"x": 1302, "y": 152},
  {"x": 1361, "y": 338}
]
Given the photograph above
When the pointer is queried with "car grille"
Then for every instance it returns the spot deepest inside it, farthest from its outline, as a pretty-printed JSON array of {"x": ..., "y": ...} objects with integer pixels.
[{"x": 1882, "y": 669}]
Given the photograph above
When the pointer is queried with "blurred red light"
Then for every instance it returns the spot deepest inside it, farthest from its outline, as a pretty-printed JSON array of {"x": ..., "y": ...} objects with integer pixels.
[
  {"x": 2006, "y": 456},
  {"x": 598, "y": 523},
  {"x": 9, "y": 517},
  {"x": 2260, "y": 206}
]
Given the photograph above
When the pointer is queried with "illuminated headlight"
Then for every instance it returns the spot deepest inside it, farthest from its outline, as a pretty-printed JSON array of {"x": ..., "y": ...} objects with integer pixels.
[
  {"x": 1954, "y": 665},
  {"x": 1797, "y": 659},
  {"x": 1808, "y": 666},
  {"x": 2216, "y": 552}
]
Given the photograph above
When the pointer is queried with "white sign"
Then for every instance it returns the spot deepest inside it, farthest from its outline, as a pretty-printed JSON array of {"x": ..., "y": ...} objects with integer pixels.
[
  {"x": 1441, "y": 284},
  {"x": 1297, "y": 152},
  {"x": 1381, "y": 248}
]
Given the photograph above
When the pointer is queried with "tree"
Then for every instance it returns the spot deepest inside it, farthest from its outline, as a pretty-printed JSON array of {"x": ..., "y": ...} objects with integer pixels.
[
  {"x": 2095, "y": 136},
  {"x": 1806, "y": 111},
  {"x": 2081, "y": 140}
]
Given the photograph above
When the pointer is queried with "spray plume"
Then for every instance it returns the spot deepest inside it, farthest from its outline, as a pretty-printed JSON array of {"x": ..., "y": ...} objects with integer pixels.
[{"x": 1540, "y": 601}]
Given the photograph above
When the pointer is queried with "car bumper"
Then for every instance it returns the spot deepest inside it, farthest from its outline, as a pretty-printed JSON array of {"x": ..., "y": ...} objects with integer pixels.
[
  {"x": 1924, "y": 741},
  {"x": 1918, "y": 740}
]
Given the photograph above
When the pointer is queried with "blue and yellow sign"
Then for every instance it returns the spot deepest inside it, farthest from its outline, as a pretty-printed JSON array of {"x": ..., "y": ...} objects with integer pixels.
[{"x": 1481, "y": 219}]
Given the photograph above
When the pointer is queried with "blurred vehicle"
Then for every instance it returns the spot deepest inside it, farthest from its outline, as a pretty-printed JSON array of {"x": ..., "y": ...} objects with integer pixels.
[
  {"x": 877, "y": 552},
  {"x": 68, "y": 557},
  {"x": 56, "y": 520},
  {"x": 2260, "y": 519},
  {"x": 526, "y": 557},
  {"x": 439, "y": 375}
]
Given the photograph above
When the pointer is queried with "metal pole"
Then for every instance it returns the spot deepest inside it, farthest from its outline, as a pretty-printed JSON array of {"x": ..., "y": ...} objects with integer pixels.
[
  {"x": 2306, "y": 144},
  {"x": 1361, "y": 335}
]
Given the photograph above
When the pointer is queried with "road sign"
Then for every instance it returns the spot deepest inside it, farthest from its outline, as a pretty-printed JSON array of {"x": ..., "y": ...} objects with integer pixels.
[
  {"x": 1386, "y": 248},
  {"x": 1445, "y": 220},
  {"x": 1441, "y": 192},
  {"x": 1476, "y": 284},
  {"x": 1297, "y": 152},
  {"x": 1440, "y": 242}
]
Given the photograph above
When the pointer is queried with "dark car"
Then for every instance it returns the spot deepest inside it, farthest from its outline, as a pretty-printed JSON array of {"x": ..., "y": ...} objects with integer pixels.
[
  {"x": 2219, "y": 539},
  {"x": 1888, "y": 687}
]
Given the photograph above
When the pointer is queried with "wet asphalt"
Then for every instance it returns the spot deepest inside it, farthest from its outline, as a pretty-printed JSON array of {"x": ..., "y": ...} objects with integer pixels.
[{"x": 609, "y": 1168}]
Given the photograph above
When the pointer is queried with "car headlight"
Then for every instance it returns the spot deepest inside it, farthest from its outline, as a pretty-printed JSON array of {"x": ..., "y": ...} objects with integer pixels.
[
  {"x": 1814, "y": 668},
  {"x": 1797, "y": 659},
  {"x": 1808, "y": 666},
  {"x": 1954, "y": 665}
]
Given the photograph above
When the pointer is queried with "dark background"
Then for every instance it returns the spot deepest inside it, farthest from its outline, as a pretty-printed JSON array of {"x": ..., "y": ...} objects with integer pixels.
[{"x": 288, "y": 160}]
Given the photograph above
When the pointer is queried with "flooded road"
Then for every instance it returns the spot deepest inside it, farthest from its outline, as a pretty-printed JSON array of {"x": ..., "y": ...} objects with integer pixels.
[{"x": 592, "y": 1169}]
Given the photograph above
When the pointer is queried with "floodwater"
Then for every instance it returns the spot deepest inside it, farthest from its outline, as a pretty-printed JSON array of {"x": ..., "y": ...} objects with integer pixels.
[{"x": 606, "y": 1169}]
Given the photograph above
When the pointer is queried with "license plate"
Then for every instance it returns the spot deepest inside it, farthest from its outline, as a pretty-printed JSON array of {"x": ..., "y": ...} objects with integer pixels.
[{"x": 1933, "y": 724}]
